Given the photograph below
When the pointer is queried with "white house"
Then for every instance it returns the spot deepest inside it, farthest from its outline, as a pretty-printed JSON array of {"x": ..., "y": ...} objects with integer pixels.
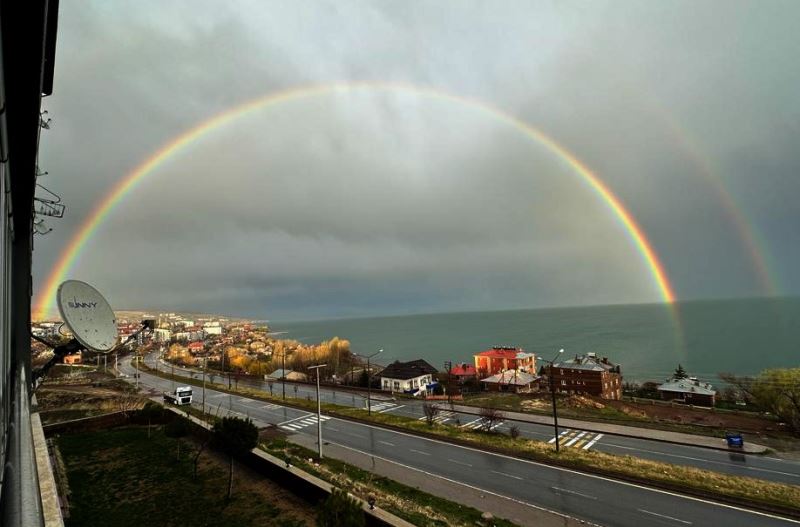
[{"x": 414, "y": 377}]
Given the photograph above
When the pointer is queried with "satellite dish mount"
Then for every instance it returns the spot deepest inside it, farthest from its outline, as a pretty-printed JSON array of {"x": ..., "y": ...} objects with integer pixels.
[{"x": 91, "y": 320}]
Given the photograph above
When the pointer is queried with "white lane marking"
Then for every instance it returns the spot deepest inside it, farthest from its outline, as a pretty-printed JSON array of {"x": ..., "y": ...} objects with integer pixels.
[
  {"x": 332, "y": 429},
  {"x": 270, "y": 406},
  {"x": 552, "y": 467},
  {"x": 287, "y": 427},
  {"x": 562, "y": 434},
  {"x": 591, "y": 443},
  {"x": 575, "y": 439},
  {"x": 391, "y": 409},
  {"x": 419, "y": 452},
  {"x": 470, "y": 423},
  {"x": 685, "y": 522},
  {"x": 445, "y": 478},
  {"x": 387, "y": 443},
  {"x": 745, "y": 467},
  {"x": 575, "y": 492},
  {"x": 295, "y": 419},
  {"x": 507, "y": 475},
  {"x": 459, "y": 462}
]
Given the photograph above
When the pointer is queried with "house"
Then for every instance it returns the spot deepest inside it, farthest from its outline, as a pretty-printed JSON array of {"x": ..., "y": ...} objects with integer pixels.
[
  {"x": 212, "y": 328},
  {"x": 511, "y": 381},
  {"x": 689, "y": 391},
  {"x": 413, "y": 377},
  {"x": 196, "y": 347},
  {"x": 289, "y": 374},
  {"x": 462, "y": 372},
  {"x": 587, "y": 374},
  {"x": 73, "y": 358},
  {"x": 161, "y": 335},
  {"x": 499, "y": 358}
]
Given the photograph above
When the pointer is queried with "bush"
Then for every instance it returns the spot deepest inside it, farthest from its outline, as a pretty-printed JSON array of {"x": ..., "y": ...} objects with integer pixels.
[
  {"x": 513, "y": 431},
  {"x": 340, "y": 510}
]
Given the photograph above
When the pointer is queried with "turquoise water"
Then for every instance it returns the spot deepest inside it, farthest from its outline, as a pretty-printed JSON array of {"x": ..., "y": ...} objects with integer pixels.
[{"x": 742, "y": 336}]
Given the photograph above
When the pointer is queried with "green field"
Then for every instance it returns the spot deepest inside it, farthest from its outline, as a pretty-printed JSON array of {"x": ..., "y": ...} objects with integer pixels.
[{"x": 120, "y": 477}]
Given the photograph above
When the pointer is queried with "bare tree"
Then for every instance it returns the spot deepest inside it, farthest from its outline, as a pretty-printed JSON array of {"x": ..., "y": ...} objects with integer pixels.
[
  {"x": 491, "y": 417},
  {"x": 128, "y": 402},
  {"x": 431, "y": 410}
]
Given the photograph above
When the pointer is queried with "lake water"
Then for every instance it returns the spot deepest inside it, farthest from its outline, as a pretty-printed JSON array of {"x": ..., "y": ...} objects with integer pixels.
[{"x": 742, "y": 336}]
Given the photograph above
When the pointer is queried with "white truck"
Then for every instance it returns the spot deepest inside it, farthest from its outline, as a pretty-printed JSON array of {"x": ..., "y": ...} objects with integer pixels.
[{"x": 182, "y": 395}]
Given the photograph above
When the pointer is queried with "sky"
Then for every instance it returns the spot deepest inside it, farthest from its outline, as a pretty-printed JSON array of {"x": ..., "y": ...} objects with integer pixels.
[{"x": 373, "y": 201}]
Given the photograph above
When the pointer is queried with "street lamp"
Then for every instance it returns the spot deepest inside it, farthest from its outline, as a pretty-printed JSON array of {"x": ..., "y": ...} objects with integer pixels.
[
  {"x": 369, "y": 380},
  {"x": 319, "y": 409},
  {"x": 205, "y": 364},
  {"x": 553, "y": 393}
]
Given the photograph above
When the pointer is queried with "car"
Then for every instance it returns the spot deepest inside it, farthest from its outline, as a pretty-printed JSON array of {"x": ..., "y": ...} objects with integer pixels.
[{"x": 124, "y": 375}]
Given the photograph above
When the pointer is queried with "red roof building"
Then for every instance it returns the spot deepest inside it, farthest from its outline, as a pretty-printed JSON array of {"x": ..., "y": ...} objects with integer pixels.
[
  {"x": 501, "y": 358},
  {"x": 462, "y": 372},
  {"x": 194, "y": 347}
]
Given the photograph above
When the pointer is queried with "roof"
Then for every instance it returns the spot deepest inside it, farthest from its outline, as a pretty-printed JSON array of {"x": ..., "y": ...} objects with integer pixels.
[
  {"x": 463, "y": 370},
  {"x": 194, "y": 345},
  {"x": 505, "y": 352},
  {"x": 588, "y": 362},
  {"x": 277, "y": 374},
  {"x": 687, "y": 386},
  {"x": 407, "y": 370},
  {"x": 518, "y": 378}
]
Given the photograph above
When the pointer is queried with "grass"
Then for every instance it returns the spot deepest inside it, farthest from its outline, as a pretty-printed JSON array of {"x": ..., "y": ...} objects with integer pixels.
[
  {"x": 120, "y": 477},
  {"x": 413, "y": 505},
  {"x": 688, "y": 479}
]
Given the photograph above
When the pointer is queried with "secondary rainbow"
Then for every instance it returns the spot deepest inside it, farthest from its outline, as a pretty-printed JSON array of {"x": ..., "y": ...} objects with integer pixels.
[{"x": 70, "y": 254}]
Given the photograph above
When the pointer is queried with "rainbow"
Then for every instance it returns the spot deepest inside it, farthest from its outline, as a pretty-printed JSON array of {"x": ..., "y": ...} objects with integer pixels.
[{"x": 68, "y": 257}]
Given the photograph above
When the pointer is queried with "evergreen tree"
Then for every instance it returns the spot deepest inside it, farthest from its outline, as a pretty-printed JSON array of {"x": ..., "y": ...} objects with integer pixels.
[
  {"x": 340, "y": 510},
  {"x": 236, "y": 437},
  {"x": 680, "y": 373}
]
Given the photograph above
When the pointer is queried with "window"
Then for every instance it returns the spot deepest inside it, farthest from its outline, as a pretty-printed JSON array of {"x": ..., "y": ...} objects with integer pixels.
[
  {"x": 563, "y": 382},
  {"x": 396, "y": 385},
  {"x": 416, "y": 383}
]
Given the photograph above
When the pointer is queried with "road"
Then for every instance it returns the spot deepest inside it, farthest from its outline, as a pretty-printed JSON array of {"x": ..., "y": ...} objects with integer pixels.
[
  {"x": 591, "y": 498},
  {"x": 762, "y": 467}
]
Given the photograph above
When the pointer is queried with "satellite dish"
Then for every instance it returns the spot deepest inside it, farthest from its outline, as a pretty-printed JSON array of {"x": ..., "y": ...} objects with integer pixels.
[{"x": 87, "y": 314}]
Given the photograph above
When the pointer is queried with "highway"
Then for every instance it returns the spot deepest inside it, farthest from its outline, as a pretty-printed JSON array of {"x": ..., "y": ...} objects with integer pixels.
[
  {"x": 591, "y": 498},
  {"x": 762, "y": 467}
]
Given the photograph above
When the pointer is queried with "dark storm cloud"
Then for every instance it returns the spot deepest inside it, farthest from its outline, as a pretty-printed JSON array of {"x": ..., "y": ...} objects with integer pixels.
[{"x": 347, "y": 205}]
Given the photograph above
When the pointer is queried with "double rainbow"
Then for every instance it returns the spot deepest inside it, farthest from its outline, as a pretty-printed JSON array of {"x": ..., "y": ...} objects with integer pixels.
[{"x": 66, "y": 261}]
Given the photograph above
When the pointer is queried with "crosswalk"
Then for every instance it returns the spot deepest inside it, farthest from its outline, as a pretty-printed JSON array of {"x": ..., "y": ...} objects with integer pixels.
[
  {"x": 271, "y": 407},
  {"x": 480, "y": 424},
  {"x": 384, "y": 407},
  {"x": 577, "y": 439},
  {"x": 441, "y": 417},
  {"x": 301, "y": 422}
]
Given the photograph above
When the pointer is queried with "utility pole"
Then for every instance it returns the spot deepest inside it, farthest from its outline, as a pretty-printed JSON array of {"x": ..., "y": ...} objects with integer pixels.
[
  {"x": 283, "y": 373},
  {"x": 369, "y": 381},
  {"x": 136, "y": 358},
  {"x": 205, "y": 363},
  {"x": 553, "y": 393},
  {"x": 319, "y": 410}
]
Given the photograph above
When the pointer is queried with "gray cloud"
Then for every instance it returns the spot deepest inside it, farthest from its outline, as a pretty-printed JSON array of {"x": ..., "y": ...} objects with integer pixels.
[{"x": 375, "y": 202}]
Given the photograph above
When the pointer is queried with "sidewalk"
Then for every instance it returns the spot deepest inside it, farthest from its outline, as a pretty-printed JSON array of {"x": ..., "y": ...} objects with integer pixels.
[
  {"x": 501, "y": 507},
  {"x": 622, "y": 430}
]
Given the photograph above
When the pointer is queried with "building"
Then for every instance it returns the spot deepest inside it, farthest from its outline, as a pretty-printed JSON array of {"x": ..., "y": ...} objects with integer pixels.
[
  {"x": 73, "y": 358},
  {"x": 161, "y": 335},
  {"x": 689, "y": 391},
  {"x": 196, "y": 347},
  {"x": 587, "y": 374},
  {"x": 500, "y": 358},
  {"x": 462, "y": 372},
  {"x": 413, "y": 377},
  {"x": 511, "y": 381},
  {"x": 212, "y": 328}
]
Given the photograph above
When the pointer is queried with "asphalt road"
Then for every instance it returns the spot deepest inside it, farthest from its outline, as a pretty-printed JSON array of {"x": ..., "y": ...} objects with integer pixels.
[
  {"x": 762, "y": 467},
  {"x": 591, "y": 498}
]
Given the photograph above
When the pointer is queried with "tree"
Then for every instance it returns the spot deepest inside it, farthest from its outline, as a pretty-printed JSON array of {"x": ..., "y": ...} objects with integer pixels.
[
  {"x": 236, "y": 437},
  {"x": 776, "y": 391},
  {"x": 680, "y": 373},
  {"x": 491, "y": 417},
  {"x": 340, "y": 509},
  {"x": 363, "y": 379},
  {"x": 177, "y": 428},
  {"x": 431, "y": 411}
]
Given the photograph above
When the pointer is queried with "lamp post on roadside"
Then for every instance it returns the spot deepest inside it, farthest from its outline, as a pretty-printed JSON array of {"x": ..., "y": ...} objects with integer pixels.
[
  {"x": 283, "y": 373},
  {"x": 553, "y": 393},
  {"x": 369, "y": 381},
  {"x": 319, "y": 410}
]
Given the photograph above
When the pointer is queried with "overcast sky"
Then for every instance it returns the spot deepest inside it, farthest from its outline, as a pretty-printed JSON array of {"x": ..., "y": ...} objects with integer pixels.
[{"x": 381, "y": 202}]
